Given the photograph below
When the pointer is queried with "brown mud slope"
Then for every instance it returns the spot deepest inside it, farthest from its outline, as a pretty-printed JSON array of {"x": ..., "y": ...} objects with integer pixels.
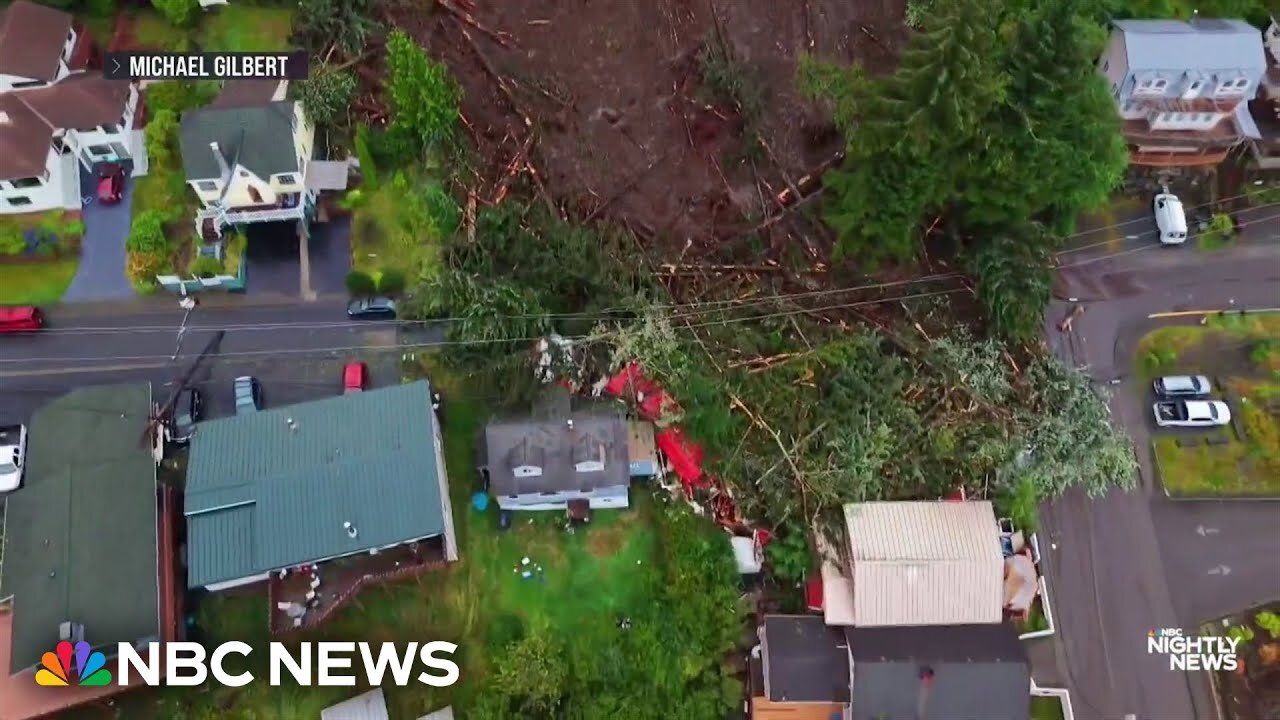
[{"x": 625, "y": 126}]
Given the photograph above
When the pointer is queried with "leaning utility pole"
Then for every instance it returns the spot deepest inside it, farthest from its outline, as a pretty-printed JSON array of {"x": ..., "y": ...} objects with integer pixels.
[{"x": 163, "y": 410}]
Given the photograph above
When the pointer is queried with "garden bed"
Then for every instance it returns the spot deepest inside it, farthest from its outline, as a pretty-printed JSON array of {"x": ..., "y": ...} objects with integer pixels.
[
  {"x": 39, "y": 254},
  {"x": 1253, "y": 691},
  {"x": 1046, "y": 707}
]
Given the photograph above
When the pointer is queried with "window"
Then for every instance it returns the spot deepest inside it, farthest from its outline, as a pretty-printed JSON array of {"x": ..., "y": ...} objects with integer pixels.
[
  {"x": 19, "y": 201},
  {"x": 100, "y": 150},
  {"x": 1159, "y": 84},
  {"x": 1195, "y": 86},
  {"x": 29, "y": 84},
  {"x": 287, "y": 179},
  {"x": 28, "y": 182},
  {"x": 207, "y": 186},
  {"x": 109, "y": 129},
  {"x": 254, "y": 195},
  {"x": 1144, "y": 85},
  {"x": 1206, "y": 118},
  {"x": 1242, "y": 83}
]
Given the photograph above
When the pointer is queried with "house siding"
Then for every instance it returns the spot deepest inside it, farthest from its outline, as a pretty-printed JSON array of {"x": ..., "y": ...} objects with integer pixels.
[{"x": 602, "y": 498}]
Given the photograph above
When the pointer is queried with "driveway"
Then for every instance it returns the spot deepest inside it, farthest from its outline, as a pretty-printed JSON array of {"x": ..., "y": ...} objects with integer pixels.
[
  {"x": 271, "y": 254},
  {"x": 101, "y": 273},
  {"x": 1125, "y": 563},
  {"x": 330, "y": 255}
]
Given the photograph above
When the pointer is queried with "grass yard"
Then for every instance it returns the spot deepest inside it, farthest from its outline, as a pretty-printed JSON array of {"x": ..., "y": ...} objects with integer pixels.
[
  {"x": 246, "y": 28},
  {"x": 400, "y": 225},
  {"x": 1248, "y": 343},
  {"x": 36, "y": 283},
  {"x": 1046, "y": 708},
  {"x": 588, "y": 580}
]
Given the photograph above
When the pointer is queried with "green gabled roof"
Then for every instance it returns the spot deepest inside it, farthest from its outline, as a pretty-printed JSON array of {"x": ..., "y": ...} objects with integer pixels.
[
  {"x": 260, "y": 138},
  {"x": 272, "y": 489},
  {"x": 81, "y": 533}
]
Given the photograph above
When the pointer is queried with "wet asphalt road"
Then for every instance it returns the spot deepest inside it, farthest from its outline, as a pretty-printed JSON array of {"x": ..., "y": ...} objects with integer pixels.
[{"x": 1128, "y": 562}]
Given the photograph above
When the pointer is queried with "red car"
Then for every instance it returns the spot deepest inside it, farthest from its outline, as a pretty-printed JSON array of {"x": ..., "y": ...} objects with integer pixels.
[
  {"x": 355, "y": 375},
  {"x": 111, "y": 185},
  {"x": 20, "y": 319}
]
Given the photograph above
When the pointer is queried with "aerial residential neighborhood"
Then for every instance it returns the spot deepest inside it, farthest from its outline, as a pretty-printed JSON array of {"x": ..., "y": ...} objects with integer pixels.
[{"x": 774, "y": 361}]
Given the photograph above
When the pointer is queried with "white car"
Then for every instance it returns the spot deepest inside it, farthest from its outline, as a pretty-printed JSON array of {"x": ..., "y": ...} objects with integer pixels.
[
  {"x": 1192, "y": 413},
  {"x": 1182, "y": 386},
  {"x": 1170, "y": 219},
  {"x": 13, "y": 452}
]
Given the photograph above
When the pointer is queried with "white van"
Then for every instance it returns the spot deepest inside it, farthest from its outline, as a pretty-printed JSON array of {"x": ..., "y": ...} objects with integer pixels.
[{"x": 1170, "y": 219}]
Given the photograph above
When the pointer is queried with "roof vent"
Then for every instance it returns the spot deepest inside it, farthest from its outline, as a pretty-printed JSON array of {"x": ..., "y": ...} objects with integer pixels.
[
  {"x": 569, "y": 422},
  {"x": 351, "y": 530},
  {"x": 293, "y": 424}
]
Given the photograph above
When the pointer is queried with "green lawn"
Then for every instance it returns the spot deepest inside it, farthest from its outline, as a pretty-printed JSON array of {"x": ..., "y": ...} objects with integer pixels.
[
  {"x": 587, "y": 580},
  {"x": 246, "y": 28},
  {"x": 1046, "y": 708},
  {"x": 36, "y": 283},
  {"x": 397, "y": 226}
]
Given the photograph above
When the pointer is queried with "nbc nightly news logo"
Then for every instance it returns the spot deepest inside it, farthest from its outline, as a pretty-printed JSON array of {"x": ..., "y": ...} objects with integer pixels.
[{"x": 335, "y": 664}]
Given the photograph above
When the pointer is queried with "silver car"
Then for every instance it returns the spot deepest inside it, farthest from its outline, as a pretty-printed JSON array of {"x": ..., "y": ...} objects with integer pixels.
[
  {"x": 248, "y": 394},
  {"x": 1192, "y": 413},
  {"x": 1183, "y": 386}
]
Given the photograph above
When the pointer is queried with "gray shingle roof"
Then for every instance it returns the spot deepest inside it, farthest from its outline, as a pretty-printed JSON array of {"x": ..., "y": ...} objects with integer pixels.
[
  {"x": 546, "y": 440},
  {"x": 371, "y": 705},
  {"x": 979, "y": 671},
  {"x": 81, "y": 533},
  {"x": 807, "y": 661},
  {"x": 1203, "y": 45},
  {"x": 262, "y": 495},
  {"x": 260, "y": 138}
]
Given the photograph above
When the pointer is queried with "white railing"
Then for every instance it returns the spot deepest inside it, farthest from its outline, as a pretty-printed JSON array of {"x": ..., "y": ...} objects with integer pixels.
[
  {"x": 1063, "y": 696},
  {"x": 216, "y": 213},
  {"x": 243, "y": 216},
  {"x": 1043, "y": 585}
]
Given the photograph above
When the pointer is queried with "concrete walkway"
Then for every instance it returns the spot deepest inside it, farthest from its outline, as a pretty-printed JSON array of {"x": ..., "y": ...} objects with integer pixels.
[{"x": 101, "y": 275}]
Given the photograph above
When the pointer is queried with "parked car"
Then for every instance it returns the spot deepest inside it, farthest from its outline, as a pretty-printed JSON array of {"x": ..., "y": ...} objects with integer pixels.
[
  {"x": 13, "y": 453},
  {"x": 188, "y": 412},
  {"x": 1192, "y": 413},
  {"x": 355, "y": 376},
  {"x": 111, "y": 184},
  {"x": 20, "y": 319},
  {"x": 374, "y": 308},
  {"x": 1171, "y": 219},
  {"x": 1183, "y": 386},
  {"x": 248, "y": 394}
]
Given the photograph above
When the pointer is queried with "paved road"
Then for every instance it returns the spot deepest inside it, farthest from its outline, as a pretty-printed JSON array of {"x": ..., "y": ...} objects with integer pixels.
[
  {"x": 101, "y": 273},
  {"x": 1125, "y": 563},
  {"x": 296, "y": 349}
]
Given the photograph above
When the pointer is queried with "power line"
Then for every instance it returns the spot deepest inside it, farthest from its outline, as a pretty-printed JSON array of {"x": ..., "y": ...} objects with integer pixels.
[
  {"x": 477, "y": 341},
  {"x": 1141, "y": 248}
]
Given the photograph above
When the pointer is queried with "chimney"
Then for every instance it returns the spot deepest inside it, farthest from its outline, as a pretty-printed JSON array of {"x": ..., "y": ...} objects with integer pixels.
[
  {"x": 926, "y": 682},
  {"x": 223, "y": 169},
  {"x": 4, "y": 118}
]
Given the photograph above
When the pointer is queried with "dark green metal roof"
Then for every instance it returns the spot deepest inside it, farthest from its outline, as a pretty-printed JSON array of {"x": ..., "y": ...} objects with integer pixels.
[
  {"x": 260, "y": 138},
  {"x": 273, "y": 489},
  {"x": 81, "y": 540}
]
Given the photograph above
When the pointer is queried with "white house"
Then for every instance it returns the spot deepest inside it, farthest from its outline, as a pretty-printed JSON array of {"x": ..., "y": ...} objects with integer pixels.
[
  {"x": 247, "y": 156},
  {"x": 54, "y": 117},
  {"x": 1182, "y": 88}
]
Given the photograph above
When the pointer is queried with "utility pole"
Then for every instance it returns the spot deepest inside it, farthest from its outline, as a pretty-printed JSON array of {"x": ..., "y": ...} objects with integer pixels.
[
  {"x": 162, "y": 411},
  {"x": 187, "y": 303}
]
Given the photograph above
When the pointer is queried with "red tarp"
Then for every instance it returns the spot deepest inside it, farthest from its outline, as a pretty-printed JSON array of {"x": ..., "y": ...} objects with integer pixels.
[
  {"x": 813, "y": 593},
  {"x": 684, "y": 455},
  {"x": 630, "y": 380},
  {"x": 656, "y": 405}
]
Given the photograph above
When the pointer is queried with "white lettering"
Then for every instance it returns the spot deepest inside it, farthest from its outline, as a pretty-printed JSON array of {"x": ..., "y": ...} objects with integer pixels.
[
  {"x": 175, "y": 661},
  {"x": 127, "y": 657},
  {"x": 401, "y": 663},
  {"x": 220, "y": 674},
  {"x": 450, "y": 668},
  {"x": 300, "y": 669},
  {"x": 328, "y": 663}
]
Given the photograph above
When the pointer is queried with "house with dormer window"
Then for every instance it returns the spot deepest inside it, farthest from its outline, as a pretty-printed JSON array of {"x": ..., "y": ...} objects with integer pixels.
[
  {"x": 1183, "y": 88},
  {"x": 570, "y": 449},
  {"x": 247, "y": 156},
  {"x": 55, "y": 117}
]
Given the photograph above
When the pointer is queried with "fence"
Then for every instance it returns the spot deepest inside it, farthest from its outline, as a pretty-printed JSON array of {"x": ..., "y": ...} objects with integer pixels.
[
  {"x": 317, "y": 618},
  {"x": 1045, "y": 605},
  {"x": 226, "y": 283}
]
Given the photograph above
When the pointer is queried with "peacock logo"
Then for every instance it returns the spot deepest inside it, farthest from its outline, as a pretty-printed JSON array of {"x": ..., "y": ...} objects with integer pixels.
[{"x": 89, "y": 667}]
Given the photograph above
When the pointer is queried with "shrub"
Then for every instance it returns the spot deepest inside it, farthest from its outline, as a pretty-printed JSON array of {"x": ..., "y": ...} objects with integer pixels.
[
  {"x": 1270, "y": 622},
  {"x": 1218, "y": 234},
  {"x": 1266, "y": 354},
  {"x": 205, "y": 267},
  {"x": 180, "y": 95},
  {"x": 147, "y": 233},
  {"x": 360, "y": 284},
  {"x": 353, "y": 200},
  {"x": 11, "y": 241},
  {"x": 160, "y": 136},
  {"x": 423, "y": 94},
  {"x": 47, "y": 249},
  {"x": 326, "y": 96},
  {"x": 368, "y": 170},
  {"x": 179, "y": 13},
  {"x": 390, "y": 282}
]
